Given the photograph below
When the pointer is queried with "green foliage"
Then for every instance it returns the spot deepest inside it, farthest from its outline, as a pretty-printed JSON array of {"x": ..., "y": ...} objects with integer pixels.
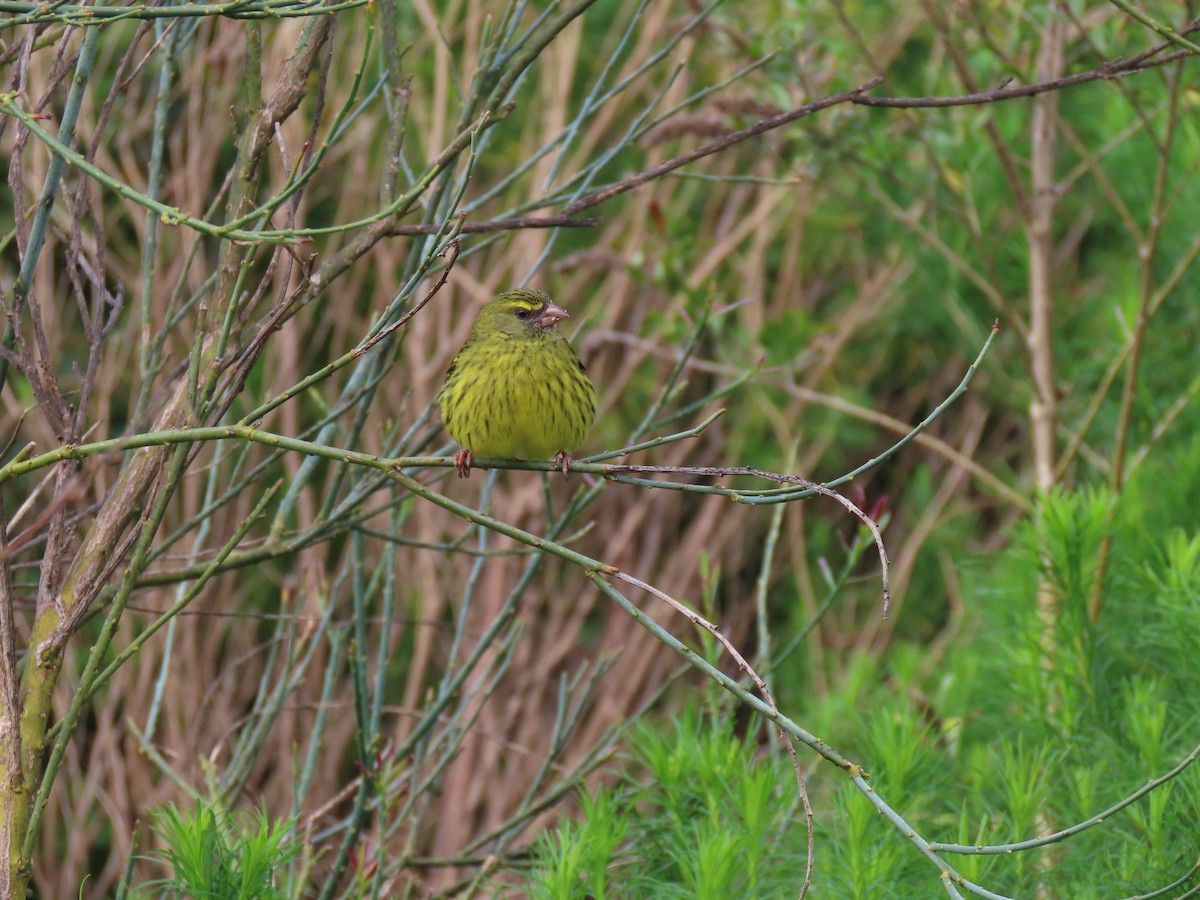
[
  {"x": 999, "y": 748},
  {"x": 701, "y": 818},
  {"x": 218, "y": 854}
]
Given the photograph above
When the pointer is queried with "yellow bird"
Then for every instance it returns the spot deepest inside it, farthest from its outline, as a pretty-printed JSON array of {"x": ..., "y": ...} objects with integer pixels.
[{"x": 516, "y": 389}]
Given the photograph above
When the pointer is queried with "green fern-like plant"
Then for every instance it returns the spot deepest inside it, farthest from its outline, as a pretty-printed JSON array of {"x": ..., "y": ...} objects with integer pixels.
[{"x": 217, "y": 854}]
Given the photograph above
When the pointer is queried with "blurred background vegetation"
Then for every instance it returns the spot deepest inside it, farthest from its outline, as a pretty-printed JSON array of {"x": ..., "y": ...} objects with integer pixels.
[{"x": 356, "y": 692}]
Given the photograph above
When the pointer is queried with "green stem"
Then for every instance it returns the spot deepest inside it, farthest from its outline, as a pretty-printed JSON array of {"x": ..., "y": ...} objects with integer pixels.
[{"x": 45, "y": 205}]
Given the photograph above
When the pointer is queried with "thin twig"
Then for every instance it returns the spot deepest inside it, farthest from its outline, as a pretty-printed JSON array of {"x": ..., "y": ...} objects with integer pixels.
[
  {"x": 696, "y": 619},
  {"x": 716, "y": 146}
]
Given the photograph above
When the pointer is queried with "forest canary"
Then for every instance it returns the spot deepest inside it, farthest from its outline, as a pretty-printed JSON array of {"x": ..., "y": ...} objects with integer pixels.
[{"x": 517, "y": 389}]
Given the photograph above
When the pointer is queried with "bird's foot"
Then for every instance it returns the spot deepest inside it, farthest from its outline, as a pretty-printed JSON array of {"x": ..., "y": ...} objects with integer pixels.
[
  {"x": 563, "y": 462},
  {"x": 462, "y": 463}
]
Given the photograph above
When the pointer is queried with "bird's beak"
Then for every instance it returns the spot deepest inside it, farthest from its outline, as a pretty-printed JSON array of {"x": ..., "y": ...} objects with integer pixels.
[{"x": 552, "y": 315}]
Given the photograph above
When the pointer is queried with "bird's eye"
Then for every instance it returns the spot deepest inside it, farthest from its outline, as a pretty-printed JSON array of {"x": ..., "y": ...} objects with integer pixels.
[{"x": 524, "y": 313}]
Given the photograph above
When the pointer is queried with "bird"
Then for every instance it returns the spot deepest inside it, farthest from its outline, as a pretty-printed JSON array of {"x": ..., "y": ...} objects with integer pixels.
[{"x": 517, "y": 389}]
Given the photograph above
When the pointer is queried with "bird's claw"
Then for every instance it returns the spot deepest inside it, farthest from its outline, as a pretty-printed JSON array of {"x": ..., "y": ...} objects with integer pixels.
[
  {"x": 462, "y": 463},
  {"x": 563, "y": 462}
]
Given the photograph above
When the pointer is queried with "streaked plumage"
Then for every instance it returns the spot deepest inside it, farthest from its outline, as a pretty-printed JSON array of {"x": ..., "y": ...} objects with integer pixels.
[{"x": 516, "y": 389}]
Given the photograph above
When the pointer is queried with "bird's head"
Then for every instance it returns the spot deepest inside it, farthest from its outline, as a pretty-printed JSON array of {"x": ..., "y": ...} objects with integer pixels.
[{"x": 520, "y": 313}]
